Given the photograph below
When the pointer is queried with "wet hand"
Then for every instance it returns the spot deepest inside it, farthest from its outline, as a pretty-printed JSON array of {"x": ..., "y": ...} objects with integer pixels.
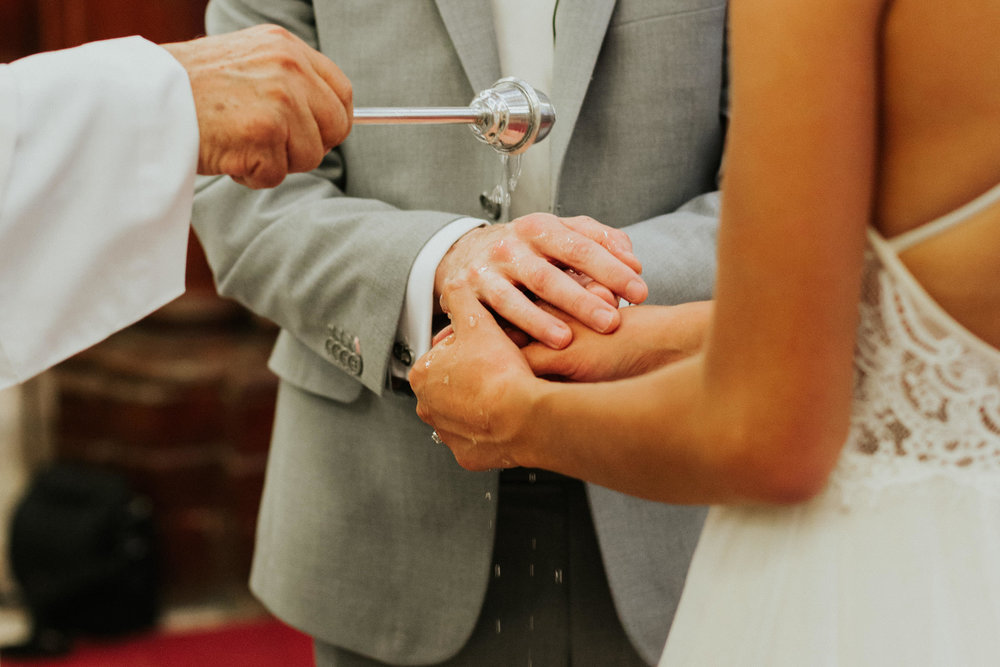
[
  {"x": 519, "y": 337},
  {"x": 267, "y": 104},
  {"x": 501, "y": 262},
  {"x": 474, "y": 387}
]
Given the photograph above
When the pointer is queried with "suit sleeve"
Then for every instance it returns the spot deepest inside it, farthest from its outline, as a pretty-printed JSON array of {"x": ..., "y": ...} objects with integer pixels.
[
  {"x": 330, "y": 270},
  {"x": 98, "y": 149},
  {"x": 686, "y": 237},
  {"x": 678, "y": 251}
]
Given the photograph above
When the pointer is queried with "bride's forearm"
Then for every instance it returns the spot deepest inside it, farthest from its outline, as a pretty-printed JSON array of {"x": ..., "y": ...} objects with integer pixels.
[
  {"x": 613, "y": 435},
  {"x": 690, "y": 445}
]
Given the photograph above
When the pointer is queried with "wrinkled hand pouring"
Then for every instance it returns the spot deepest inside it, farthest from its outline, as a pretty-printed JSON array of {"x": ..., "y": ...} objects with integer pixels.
[{"x": 267, "y": 104}]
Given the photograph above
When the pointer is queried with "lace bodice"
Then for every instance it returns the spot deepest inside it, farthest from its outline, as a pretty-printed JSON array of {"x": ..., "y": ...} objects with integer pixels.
[{"x": 927, "y": 391}]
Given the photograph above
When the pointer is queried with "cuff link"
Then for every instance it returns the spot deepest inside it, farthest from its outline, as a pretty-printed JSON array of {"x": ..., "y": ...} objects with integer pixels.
[{"x": 402, "y": 354}]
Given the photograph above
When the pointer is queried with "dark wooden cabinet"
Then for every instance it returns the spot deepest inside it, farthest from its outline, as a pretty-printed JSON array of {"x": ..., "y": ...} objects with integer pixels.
[
  {"x": 29, "y": 26},
  {"x": 19, "y": 34},
  {"x": 64, "y": 23}
]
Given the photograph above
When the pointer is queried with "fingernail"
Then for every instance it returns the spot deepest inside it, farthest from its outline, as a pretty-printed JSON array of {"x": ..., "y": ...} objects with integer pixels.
[
  {"x": 636, "y": 291},
  {"x": 560, "y": 336},
  {"x": 603, "y": 318}
]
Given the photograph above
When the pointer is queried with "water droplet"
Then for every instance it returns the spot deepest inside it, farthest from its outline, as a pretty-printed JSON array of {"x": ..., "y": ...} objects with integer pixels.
[
  {"x": 445, "y": 379},
  {"x": 498, "y": 626},
  {"x": 488, "y": 496},
  {"x": 559, "y": 575},
  {"x": 496, "y": 570},
  {"x": 497, "y": 202},
  {"x": 513, "y": 167},
  {"x": 531, "y": 476},
  {"x": 473, "y": 321}
]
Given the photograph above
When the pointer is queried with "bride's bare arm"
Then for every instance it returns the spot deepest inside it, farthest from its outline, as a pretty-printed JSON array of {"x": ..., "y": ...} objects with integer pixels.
[{"x": 760, "y": 414}]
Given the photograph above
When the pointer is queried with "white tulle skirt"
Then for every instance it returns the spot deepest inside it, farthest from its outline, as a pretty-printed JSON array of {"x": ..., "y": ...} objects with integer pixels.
[{"x": 909, "y": 576}]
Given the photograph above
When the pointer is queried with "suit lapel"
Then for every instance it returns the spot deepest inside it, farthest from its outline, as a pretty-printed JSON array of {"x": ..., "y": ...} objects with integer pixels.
[
  {"x": 580, "y": 29},
  {"x": 470, "y": 25}
]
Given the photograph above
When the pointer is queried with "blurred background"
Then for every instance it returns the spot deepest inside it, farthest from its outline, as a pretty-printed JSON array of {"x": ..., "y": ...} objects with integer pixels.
[{"x": 179, "y": 405}]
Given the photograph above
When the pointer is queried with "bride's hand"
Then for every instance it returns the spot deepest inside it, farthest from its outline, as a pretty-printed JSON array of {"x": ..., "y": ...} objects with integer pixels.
[
  {"x": 647, "y": 338},
  {"x": 474, "y": 386}
]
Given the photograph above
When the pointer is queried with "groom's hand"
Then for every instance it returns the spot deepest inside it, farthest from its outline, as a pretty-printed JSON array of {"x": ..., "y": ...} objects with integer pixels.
[{"x": 532, "y": 253}]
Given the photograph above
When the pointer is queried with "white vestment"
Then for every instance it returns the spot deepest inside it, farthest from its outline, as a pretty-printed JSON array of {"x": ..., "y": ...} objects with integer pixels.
[{"x": 98, "y": 151}]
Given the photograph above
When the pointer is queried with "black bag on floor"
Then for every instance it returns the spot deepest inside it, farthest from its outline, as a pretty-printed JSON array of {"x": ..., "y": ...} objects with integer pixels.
[{"x": 82, "y": 550}]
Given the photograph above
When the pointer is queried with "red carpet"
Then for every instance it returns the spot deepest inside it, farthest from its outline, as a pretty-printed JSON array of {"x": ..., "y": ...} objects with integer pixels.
[{"x": 264, "y": 643}]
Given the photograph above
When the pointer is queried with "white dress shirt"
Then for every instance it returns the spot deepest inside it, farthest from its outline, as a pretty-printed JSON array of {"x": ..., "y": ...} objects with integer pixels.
[
  {"x": 98, "y": 151},
  {"x": 525, "y": 46}
]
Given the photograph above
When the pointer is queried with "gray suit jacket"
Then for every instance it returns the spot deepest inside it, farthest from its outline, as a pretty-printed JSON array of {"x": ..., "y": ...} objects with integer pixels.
[{"x": 370, "y": 536}]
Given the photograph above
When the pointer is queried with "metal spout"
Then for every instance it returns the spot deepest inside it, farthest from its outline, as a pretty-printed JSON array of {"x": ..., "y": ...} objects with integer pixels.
[{"x": 510, "y": 116}]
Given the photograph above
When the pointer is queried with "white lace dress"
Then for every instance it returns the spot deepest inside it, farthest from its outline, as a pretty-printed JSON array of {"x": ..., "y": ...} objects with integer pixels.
[{"x": 897, "y": 562}]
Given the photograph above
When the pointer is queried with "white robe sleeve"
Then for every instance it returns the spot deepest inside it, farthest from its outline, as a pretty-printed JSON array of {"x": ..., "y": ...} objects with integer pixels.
[{"x": 98, "y": 151}]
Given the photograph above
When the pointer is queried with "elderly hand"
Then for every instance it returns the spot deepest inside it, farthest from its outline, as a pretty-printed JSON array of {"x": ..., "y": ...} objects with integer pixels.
[
  {"x": 475, "y": 388},
  {"x": 531, "y": 253},
  {"x": 267, "y": 103},
  {"x": 648, "y": 337}
]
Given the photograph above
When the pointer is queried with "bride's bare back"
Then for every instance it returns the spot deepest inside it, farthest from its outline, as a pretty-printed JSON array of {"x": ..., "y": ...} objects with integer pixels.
[{"x": 941, "y": 148}]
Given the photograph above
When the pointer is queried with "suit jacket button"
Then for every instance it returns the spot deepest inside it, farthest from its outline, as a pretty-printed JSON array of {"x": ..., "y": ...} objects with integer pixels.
[{"x": 354, "y": 364}]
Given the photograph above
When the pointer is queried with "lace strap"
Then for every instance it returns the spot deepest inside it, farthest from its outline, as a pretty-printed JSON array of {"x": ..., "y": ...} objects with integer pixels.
[
  {"x": 892, "y": 265},
  {"x": 919, "y": 234}
]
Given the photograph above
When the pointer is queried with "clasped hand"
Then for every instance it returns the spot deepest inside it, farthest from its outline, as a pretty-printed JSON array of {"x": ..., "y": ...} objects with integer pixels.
[
  {"x": 480, "y": 391},
  {"x": 510, "y": 265},
  {"x": 477, "y": 386}
]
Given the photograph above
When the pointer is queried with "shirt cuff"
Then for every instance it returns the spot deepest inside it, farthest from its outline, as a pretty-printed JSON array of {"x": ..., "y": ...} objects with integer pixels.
[{"x": 413, "y": 335}]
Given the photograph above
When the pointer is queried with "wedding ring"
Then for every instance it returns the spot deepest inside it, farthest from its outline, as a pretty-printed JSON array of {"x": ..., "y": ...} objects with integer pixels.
[{"x": 436, "y": 438}]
